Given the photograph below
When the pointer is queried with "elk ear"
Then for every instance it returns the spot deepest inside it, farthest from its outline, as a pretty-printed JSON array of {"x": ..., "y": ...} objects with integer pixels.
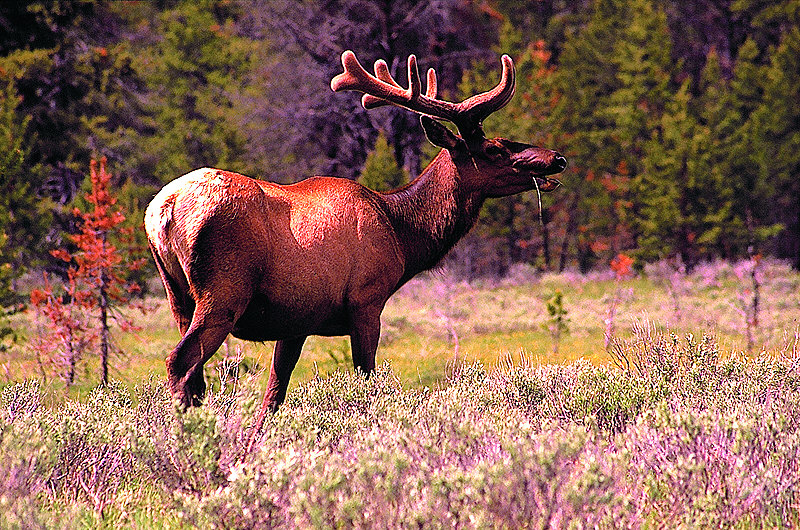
[{"x": 438, "y": 134}]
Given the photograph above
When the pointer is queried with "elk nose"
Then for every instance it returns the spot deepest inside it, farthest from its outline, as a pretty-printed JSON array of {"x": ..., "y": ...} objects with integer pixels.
[{"x": 559, "y": 162}]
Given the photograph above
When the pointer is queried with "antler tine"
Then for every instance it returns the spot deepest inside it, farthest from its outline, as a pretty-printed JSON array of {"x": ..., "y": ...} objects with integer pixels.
[
  {"x": 414, "y": 84},
  {"x": 382, "y": 73},
  {"x": 382, "y": 89},
  {"x": 354, "y": 76},
  {"x": 431, "y": 85},
  {"x": 480, "y": 106},
  {"x": 412, "y": 92},
  {"x": 378, "y": 90}
]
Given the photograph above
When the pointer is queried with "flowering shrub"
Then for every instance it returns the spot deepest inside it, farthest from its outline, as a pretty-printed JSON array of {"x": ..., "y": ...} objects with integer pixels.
[{"x": 674, "y": 435}]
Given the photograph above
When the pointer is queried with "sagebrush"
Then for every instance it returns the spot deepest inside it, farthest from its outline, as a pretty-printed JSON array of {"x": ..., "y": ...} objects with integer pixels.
[{"x": 675, "y": 435}]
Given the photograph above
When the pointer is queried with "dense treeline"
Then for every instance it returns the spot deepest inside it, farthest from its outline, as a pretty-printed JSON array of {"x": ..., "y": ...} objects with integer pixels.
[{"x": 680, "y": 122}]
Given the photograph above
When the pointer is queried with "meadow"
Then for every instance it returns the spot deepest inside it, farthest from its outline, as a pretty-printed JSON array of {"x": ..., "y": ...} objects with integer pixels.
[
  {"x": 437, "y": 319},
  {"x": 648, "y": 412}
]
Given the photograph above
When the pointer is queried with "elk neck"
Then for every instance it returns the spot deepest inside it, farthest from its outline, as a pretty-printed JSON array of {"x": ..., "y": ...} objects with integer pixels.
[{"x": 430, "y": 214}]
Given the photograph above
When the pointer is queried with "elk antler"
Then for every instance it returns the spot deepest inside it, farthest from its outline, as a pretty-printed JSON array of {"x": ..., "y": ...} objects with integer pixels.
[{"x": 381, "y": 89}]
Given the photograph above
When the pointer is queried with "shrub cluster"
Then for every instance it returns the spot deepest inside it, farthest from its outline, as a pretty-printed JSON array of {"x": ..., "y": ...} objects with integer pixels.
[{"x": 675, "y": 435}]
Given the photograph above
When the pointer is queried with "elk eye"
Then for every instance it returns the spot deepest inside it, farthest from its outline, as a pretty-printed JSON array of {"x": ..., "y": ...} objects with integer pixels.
[{"x": 493, "y": 151}]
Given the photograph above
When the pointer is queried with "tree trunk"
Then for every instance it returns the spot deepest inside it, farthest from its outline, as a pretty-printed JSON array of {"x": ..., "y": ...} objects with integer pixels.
[
  {"x": 72, "y": 361},
  {"x": 572, "y": 222},
  {"x": 104, "y": 330},
  {"x": 796, "y": 238},
  {"x": 105, "y": 335},
  {"x": 562, "y": 258}
]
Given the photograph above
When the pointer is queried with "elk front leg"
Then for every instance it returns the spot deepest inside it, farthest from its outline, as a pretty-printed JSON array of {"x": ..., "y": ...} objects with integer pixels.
[
  {"x": 364, "y": 335},
  {"x": 284, "y": 359}
]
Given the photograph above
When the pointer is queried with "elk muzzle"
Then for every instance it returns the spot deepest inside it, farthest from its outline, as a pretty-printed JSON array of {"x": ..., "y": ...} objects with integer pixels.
[{"x": 540, "y": 163}]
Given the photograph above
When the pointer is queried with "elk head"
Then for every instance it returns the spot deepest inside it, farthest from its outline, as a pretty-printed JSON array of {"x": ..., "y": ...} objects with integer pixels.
[{"x": 501, "y": 167}]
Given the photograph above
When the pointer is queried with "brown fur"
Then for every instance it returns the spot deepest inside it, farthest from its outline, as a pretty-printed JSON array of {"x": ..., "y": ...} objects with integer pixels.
[
  {"x": 268, "y": 262},
  {"x": 263, "y": 261}
]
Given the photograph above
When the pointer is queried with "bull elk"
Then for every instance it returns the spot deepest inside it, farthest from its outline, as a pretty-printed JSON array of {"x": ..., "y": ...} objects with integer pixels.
[{"x": 263, "y": 261}]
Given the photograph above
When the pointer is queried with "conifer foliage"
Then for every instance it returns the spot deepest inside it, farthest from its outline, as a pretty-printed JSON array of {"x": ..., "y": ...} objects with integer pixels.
[
  {"x": 679, "y": 120},
  {"x": 381, "y": 171},
  {"x": 24, "y": 216},
  {"x": 77, "y": 321}
]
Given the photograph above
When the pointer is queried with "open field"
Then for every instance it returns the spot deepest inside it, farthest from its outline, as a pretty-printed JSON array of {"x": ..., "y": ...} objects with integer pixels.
[
  {"x": 435, "y": 319},
  {"x": 473, "y": 421}
]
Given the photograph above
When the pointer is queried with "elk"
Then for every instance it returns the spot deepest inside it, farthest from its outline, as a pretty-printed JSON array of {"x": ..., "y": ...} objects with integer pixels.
[{"x": 263, "y": 261}]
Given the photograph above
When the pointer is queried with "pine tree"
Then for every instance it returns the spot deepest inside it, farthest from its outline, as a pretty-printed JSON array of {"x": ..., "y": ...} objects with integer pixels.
[
  {"x": 73, "y": 70},
  {"x": 381, "y": 171},
  {"x": 615, "y": 79},
  {"x": 24, "y": 217},
  {"x": 197, "y": 75},
  {"x": 673, "y": 214},
  {"x": 736, "y": 168},
  {"x": 776, "y": 125},
  {"x": 96, "y": 283}
]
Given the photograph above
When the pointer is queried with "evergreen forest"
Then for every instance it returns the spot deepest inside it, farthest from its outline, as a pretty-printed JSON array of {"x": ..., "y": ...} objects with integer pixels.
[{"x": 680, "y": 120}]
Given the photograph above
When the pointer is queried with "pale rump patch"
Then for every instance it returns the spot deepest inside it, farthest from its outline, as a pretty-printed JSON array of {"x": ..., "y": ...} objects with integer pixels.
[{"x": 158, "y": 215}]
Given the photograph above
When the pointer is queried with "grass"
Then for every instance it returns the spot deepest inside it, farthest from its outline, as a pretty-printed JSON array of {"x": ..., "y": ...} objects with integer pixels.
[
  {"x": 684, "y": 437},
  {"x": 472, "y": 422},
  {"x": 489, "y": 320}
]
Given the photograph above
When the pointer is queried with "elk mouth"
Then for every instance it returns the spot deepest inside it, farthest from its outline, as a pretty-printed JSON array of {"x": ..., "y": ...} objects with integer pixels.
[
  {"x": 540, "y": 164},
  {"x": 546, "y": 183}
]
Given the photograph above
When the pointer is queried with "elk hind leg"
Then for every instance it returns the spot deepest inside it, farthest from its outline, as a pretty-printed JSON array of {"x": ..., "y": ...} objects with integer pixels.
[
  {"x": 177, "y": 289},
  {"x": 204, "y": 336},
  {"x": 284, "y": 359}
]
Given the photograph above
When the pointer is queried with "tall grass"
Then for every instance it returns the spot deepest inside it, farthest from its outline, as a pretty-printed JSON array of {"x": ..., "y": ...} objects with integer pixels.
[
  {"x": 435, "y": 315},
  {"x": 673, "y": 434}
]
